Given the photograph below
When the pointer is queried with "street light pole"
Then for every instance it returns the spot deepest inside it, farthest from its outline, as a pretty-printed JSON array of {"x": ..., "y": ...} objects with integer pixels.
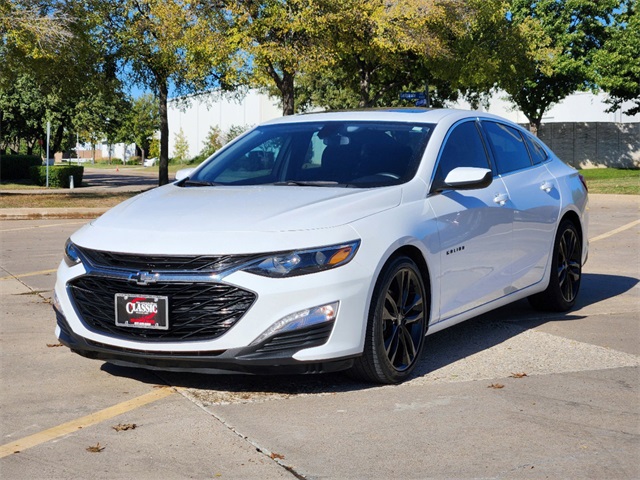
[{"x": 48, "y": 137}]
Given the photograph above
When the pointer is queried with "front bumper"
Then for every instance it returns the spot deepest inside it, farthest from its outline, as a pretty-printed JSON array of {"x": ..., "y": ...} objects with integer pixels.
[
  {"x": 329, "y": 346},
  {"x": 263, "y": 358}
]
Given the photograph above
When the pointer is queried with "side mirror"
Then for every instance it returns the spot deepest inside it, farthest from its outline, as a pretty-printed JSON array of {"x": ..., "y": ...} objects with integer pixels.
[
  {"x": 468, "y": 178},
  {"x": 184, "y": 173}
]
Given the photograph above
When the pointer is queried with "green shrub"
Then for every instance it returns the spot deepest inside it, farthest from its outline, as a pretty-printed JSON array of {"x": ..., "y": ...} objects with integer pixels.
[
  {"x": 16, "y": 167},
  {"x": 58, "y": 175}
]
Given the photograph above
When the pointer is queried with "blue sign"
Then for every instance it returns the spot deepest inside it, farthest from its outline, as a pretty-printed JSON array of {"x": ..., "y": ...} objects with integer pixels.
[{"x": 412, "y": 96}]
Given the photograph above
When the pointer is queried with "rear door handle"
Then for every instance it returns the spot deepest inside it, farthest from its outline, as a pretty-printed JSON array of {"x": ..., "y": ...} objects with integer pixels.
[
  {"x": 501, "y": 198},
  {"x": 546, "y": 186}
]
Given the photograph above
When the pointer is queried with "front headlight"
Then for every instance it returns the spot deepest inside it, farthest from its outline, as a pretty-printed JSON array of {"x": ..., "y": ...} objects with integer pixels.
[
  {"x": 302, "y": 262},
  {"x": 71, "y": 255}
]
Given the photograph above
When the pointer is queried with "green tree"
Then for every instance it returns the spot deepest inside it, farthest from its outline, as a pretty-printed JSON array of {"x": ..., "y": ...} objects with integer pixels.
[
  {"x": 154, "y": 148},
  {"x": 276, "y": 40},
  {"x": 551, "y": 45},
  {"x": 144, "y": 121},
  {"x": 181, "y": 147},
  {"x": 212, "y": 143},
  {"x": 617, "y": 64},
  {"x": 165, "y": 44},
  {"x": 235, "y": 131},
  {"x": 58, "y": 76},
  {"x": 30, "y": 29},
  {"x": 379, "y": 49},
  {"x": 22, "y": 108},
  {"x": 384, "y": 47}
]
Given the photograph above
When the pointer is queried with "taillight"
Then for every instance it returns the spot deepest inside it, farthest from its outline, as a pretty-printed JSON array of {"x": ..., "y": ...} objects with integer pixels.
[{"x": 584, "y": 182}]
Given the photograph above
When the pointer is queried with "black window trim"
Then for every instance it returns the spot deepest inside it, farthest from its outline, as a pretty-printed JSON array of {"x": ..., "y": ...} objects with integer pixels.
[
  {"x": 533, "y": 139},
  {"x": 490, "y": 161}
]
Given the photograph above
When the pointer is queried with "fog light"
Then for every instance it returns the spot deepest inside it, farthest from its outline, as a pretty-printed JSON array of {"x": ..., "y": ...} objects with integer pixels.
[
  {"x": 56, "y": 302},
  {"x": 302, "y": 319}
]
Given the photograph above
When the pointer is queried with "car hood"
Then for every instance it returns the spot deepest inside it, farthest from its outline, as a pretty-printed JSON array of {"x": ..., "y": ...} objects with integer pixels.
[{"x": 228, "y": 217}]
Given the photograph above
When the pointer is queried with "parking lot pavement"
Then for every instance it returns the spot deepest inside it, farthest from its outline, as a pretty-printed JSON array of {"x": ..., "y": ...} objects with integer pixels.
[{"x": 513, "y": 394}]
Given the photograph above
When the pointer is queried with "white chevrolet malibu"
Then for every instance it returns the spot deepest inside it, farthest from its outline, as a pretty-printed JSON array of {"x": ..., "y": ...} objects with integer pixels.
[{"x": 325, "y": 242}]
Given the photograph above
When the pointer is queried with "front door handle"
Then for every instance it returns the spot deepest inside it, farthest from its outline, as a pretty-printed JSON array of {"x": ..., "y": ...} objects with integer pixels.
[{"x": 501, "y": 198}]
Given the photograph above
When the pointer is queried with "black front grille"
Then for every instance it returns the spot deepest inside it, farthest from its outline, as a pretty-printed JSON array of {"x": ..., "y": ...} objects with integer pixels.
[
  {"x": 197, "y": 311},
  {"x": 155, "y": 263}
]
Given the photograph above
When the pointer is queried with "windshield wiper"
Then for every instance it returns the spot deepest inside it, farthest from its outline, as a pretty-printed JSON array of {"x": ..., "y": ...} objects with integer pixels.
[
  {"x": 309, "y": 183},
  {"x": 198, "y": 183}
]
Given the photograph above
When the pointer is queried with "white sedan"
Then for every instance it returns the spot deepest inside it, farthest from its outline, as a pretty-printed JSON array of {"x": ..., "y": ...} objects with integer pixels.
[{"x": 325, "y": 242}]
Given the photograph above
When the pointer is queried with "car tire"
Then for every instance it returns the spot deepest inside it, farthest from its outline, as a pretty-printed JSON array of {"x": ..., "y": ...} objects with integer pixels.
[
  {"x": 396, "y": 325},
  {"x": 566, "y": 272}
]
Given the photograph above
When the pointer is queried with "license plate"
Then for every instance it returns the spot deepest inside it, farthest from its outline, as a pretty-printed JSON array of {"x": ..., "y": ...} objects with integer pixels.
[{"x": 139, "y": 311}]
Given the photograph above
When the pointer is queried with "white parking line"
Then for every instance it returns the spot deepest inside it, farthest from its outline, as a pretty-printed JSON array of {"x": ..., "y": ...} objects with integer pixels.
[
  {"x": 42, "y": 226},
  {"x": 614, "y": 232}
]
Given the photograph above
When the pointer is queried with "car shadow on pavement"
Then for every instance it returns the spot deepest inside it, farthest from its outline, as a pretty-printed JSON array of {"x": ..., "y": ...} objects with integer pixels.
[{"x": 441, "y": 349}]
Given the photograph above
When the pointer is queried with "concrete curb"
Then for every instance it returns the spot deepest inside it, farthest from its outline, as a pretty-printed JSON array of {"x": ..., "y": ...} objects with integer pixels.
[{"x": 50, "y": 213}]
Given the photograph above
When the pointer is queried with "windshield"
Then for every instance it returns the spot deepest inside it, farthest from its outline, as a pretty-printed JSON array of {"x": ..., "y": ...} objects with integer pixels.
[{"x": 353, "y": 154}]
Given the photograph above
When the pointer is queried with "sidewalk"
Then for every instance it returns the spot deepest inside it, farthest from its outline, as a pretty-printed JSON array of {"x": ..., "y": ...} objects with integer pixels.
[{"x": 95, "y": 180}]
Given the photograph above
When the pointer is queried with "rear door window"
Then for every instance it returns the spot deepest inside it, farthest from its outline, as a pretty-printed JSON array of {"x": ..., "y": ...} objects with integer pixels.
[{"x": 508, "y": 147}]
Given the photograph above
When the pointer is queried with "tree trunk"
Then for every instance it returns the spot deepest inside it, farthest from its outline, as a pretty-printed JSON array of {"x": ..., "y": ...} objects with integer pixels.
[
  {"x": 534, "y": 125},
  {"x": 286, "y": 87},
  {"x": 288, "y": 96},
  {"x": 164, "y": 134},
  {"x": 57, "y": 139},
  {"x": 365, "y": 85}
]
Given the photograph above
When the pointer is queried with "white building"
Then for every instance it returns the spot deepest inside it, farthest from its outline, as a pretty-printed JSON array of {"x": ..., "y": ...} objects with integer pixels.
[
  {"x": 578, "y": 107},
  {"x": 196, "y": 115},
  {"x": 201, "y": 112}
]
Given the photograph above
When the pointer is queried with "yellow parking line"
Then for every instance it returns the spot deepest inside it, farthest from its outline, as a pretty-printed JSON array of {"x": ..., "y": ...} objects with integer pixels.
[
  {"x": 43, "y": 226},
  {"x": 30, "y": 274},
  {"x": 75, "y": 425},
  {"x": 613, "y": 232}
]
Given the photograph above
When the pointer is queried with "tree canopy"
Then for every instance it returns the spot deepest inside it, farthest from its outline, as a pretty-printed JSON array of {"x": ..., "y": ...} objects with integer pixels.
[
  {"x": 70, "y": 61},
  {"x": 553, "y": 43},
  {"x": 617, "y": 64},
  {"x": 161, "y": 44}
]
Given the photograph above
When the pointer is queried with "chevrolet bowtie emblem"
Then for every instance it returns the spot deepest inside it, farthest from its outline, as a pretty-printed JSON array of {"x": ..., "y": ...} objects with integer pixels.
[{"x": 143, "y": 278}]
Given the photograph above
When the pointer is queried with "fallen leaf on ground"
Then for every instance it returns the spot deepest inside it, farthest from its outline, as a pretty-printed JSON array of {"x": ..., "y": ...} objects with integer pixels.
[
  {"x": 496, "y": 385},
  {"x": 96, "y": 448},
  {"x": 53, "y": 345},
  {"x": 277, "y": 456},
  {"x": 121, "y": 427},
  {"x": 518, "y": 375}
]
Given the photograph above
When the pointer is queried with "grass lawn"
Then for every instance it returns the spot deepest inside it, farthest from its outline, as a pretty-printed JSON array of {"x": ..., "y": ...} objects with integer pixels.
[
  {"x": 64, "y": 200},
  {"x": 612, "y": 180}
]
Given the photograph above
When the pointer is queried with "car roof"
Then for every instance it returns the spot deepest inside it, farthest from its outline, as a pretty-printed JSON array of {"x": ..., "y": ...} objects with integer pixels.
[{"x": 391, "y": 114}]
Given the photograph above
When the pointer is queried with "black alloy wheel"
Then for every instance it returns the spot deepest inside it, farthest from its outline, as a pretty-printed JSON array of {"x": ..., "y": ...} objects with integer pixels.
[
  {"x": 566, "y": 272},
  {"x": 568, "y": 265},
  {"x": 397, "y": 324}
]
